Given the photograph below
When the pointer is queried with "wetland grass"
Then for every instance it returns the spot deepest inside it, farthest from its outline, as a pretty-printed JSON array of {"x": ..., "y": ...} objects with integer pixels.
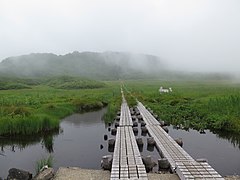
[
  {"x": 198, "y": 105},
  {"x": 39, "y": 109},
  {"x": 44, "y": 162}
]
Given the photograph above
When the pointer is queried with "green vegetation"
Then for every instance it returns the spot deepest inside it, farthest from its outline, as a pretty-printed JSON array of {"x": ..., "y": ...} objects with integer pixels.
[
  {"x": 198, "y": 105},
  {"x": 49, "y": 87},
  {"x": 107, "y": 65},
  {"x": 114, "y": 103},
  {"x": 44, "y": 162},
  {"x": 16, "y": 83},
  {"x": 112, "y": 109},
  {"x": 66, "y": 82},
  {"x": 131, "y": 100},
  {"x": 39, "y": 109},
  {"x": 58, "y": 82}
]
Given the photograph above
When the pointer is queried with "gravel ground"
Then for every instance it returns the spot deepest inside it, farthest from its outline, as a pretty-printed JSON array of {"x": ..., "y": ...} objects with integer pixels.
[
  {"x": 232, "y": 178},
  {"x": 154, "y": 176},
  {"x": 75, "y": 173}
]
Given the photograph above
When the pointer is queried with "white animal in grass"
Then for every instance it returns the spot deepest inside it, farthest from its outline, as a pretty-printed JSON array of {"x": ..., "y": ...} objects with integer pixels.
[{"x": 162, "y": 90}]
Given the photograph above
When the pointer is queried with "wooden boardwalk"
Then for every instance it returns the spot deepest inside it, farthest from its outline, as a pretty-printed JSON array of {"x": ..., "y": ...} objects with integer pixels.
[
  {"x": 125, "y": 118},
  {"x": 180, "y": 161},
  {"x": 127, "y": 161}
]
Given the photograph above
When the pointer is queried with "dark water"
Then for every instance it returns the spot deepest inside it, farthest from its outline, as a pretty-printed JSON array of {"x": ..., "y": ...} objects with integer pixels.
[
  {"x": 78, "y": 144},
  {"x": 222, "y": 151}
]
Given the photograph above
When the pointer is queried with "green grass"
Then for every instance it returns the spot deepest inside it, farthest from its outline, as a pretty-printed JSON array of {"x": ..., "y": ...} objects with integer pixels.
[
  {"x": 198, "y": 105},
  {"x": 130, "y": 98},
  {"x": 58, "y": 82},
  {"x": 114, "y": 102},
  {"x": 66, "y": 82},
  {"x": 43, "y": 162},
  {"x": 39, "y": 109}
]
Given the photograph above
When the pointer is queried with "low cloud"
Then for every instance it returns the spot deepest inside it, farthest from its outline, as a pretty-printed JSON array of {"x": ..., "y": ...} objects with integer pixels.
[{"x": 187, "y": 35}]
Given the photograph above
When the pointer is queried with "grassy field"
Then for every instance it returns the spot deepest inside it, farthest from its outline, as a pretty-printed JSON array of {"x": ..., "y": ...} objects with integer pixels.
[
  {"x": 40, "y": 107},
  {"x": 198, "y": 105}
]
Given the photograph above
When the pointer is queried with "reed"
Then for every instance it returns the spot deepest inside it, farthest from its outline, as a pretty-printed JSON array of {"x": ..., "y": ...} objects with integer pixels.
[
  {"x": 44, "y": 162},
  {"x": 198, "y": 105},
  {"x": 27, "y": 125},
  {"x": 39, "y": 109}
]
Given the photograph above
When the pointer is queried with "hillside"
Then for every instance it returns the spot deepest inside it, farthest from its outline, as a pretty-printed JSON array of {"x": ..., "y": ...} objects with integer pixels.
[
  {"x": 58, "y": 82},
  {"x": 107, "y": 65}
]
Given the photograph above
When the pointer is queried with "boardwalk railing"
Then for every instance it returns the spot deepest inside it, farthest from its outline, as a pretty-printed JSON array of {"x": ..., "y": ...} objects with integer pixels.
[{"x": 180, "y": 161}]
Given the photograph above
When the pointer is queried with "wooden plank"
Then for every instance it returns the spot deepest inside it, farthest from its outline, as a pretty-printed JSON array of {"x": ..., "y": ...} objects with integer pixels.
[
  {"x": 186, "y": 167},
  {"x": 127, "y": 161}
]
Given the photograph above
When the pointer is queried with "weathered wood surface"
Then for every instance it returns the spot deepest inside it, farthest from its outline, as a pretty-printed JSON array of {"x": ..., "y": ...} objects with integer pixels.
[
  {"x": 127, "y": 161},
  {"x": 180, "y": 161},
  {"x": 125, "y": 117},
  {"x": 148, "y": 117}
]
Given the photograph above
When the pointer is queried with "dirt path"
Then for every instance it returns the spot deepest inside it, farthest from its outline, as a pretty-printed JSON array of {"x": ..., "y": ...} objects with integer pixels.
[{"x": 74, "y": 173}]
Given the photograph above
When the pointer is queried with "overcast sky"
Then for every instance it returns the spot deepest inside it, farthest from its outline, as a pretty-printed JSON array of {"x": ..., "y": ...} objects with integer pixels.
[{"x": 196, "y": 35}]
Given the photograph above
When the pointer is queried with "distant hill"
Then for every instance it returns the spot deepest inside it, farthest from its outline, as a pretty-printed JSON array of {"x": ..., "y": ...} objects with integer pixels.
[
  {"x": 58, "y": 82},
  {"x": 107, "y": 65}
]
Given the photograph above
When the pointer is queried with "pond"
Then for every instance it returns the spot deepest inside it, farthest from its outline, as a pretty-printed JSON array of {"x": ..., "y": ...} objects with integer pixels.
[
  {"x": 80, "y": 142},
  {"x": 222, "y": 151},
  {"x": 77, "y": 144}
]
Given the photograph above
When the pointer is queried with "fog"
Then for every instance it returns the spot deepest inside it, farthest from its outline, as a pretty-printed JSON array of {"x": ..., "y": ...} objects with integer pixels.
[{"x": 188, "y": 35}]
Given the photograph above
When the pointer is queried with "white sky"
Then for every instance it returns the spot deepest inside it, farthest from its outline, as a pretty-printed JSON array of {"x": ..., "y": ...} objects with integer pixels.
[{"x": 194, "y": 35}]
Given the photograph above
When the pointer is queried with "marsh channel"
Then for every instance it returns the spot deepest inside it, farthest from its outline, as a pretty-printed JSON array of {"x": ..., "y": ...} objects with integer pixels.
[{"x": 80, "y": 143}]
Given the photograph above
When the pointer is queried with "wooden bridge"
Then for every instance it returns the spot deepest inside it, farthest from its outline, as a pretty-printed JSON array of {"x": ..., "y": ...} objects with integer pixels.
[
  {"x": 180, "y": 161},
  {"x": 127, "y": 161}
]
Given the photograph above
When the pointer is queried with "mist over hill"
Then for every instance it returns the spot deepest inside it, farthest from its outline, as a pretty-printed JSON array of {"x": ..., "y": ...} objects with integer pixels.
[
  {"x": 107, "y": 65},
  {"x": 98, "y": 66}
]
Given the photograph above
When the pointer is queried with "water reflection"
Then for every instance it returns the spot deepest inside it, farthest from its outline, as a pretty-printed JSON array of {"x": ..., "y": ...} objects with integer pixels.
[
  {"x": 150, "y": 148},
  {"x": 220, "y": 149},
  {"x": 81, "y": 144},
  {"x": 234, "y": 139},
  {"x": 85, "y": 140},
  {"x": 140, "y": 147},
  {"x": 22, "y": 142}
]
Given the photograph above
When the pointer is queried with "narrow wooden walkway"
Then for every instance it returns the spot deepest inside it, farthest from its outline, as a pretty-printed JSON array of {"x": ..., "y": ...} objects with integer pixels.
[
  {"x": 127, "y": 161},
  {"x": 125, "y": 118},
  {"x": 180, "y": 161}
]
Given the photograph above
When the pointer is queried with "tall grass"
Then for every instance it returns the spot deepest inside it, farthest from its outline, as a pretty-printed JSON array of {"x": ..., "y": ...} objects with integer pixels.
[
  {"x": 225, "y": 112},
  {"x": 199, "y": 105},
  {"x": 27, "y": 125},
  {"x": 29, "y": 111},
  {"x": 113, "y": 106},
  {"x": 129, "y": 96},
  {"x": 44, "y": 162},
  {"x": 66, "y": 82}
]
